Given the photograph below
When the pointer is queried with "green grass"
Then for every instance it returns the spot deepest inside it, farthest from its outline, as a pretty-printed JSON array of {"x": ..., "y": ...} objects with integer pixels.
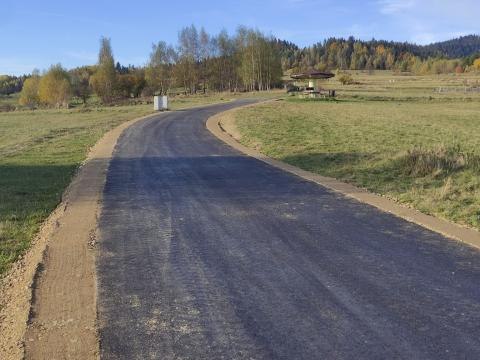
[
  {"x": 39, "y": 153},
  {"x": 420, "y": 151}
]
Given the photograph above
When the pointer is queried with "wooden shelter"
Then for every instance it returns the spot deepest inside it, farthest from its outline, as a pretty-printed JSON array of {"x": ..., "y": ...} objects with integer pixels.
[{"x": 313, "y": 76}]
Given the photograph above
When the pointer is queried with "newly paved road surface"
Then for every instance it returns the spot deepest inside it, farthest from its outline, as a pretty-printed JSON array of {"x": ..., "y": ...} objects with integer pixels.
[{"x": 208, "y": 254}]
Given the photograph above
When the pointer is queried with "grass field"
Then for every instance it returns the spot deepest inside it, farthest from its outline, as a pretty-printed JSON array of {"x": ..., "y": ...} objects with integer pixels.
[
  {"x": 385, "y": 85},
  {"x": 40, "y": 151},
  {"x": 393, "y": 135},
  {"x": 8, "y": 102}
]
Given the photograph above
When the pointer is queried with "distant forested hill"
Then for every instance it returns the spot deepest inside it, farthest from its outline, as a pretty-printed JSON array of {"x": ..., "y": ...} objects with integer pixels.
[
  {"x": 351, "y": 53},
  {"x": 456, "y": 48}
]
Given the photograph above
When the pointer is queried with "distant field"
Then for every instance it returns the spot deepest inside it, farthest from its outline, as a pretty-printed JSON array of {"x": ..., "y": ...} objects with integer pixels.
[
  {"x": 384, "y": 85},
  {"x": 8, "y": 102},
  {"x": 393, "y": 135},
  {"x": 40, "y": 151}
]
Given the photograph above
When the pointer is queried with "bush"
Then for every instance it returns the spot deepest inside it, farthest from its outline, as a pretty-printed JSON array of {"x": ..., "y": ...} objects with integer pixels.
[
  {"x": 29, "y": 95},
  {"x": 476, "y": 65},
  {"x": 346, "y": 79},
  {"x": 440, "y": 160},
  {"x": 55, "y": 88}
]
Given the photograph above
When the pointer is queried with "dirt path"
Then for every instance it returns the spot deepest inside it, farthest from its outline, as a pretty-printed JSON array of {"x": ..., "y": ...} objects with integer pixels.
[{"x": 48, "y": 305}]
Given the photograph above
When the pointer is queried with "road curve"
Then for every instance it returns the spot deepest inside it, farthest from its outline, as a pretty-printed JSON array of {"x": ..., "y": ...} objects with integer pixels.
[{"x": 205, "y": 253}]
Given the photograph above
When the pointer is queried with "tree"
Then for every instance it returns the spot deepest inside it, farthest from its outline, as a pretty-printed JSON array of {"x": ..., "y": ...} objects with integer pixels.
[
  {"x": 104, "y": 79},
  {"x": 260, "y": 67},
  {"x": 476, "y": 65},
  {"x": 125, "y": 84},
  {"x": 80, "y": 79},
  {"x": 11, "y": 84},
  {"x": 189, "y": 57},
  {"x": 159, "y": 71},
  {"x": 205, "y": 45},
  {"x": 224, "y": 67},
  {"x": 139, "y": 82},
  {"x": 29, "y": 95},
  {"x": 54, "y": 88}
]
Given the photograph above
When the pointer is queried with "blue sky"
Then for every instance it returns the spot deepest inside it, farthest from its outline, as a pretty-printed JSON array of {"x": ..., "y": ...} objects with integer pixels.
[{"x": 38, "y": 33}]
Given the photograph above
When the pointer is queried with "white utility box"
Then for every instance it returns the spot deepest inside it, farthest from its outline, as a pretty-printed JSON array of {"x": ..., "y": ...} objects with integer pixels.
[{"x": 160, "y": 103}]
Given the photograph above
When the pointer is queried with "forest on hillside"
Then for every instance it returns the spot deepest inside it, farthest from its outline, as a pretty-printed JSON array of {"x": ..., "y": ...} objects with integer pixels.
[{"x": 337, "y": 53}]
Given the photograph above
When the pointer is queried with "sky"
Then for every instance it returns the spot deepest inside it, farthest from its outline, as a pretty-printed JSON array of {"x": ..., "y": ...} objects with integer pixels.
[{"x": 38, "y": 33}]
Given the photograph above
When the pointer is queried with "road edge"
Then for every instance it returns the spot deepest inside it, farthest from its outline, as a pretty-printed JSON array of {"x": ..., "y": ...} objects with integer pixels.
[
  {"x": 22, "y": 281},
  {"x": 222, "y": 125}
]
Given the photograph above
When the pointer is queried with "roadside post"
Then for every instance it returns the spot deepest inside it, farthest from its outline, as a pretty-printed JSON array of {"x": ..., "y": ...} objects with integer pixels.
[{"x": 160, "y": 103}]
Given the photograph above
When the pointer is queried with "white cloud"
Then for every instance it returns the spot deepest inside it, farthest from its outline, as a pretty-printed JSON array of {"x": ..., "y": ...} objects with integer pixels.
[
  {"x": 425, "y": 38},
  {"x": 395, "y": 6},
  {"x": 427, "y": 21}
]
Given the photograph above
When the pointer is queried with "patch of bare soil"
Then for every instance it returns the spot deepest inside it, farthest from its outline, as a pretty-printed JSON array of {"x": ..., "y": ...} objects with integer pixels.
[{"x": 48, "y": 299}]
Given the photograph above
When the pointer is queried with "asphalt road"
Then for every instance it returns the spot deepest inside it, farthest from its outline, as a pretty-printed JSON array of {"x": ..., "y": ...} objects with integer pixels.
[{"x": 209, "y": 254}]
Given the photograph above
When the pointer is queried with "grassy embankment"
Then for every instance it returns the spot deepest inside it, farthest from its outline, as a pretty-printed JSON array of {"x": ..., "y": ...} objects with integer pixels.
[
  {"x": 40, "y": 151},
  {"x": 390, "y": 134}
]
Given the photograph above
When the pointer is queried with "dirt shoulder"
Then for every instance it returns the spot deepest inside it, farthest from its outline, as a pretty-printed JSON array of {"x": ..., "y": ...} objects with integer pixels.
[
  {"x": 48, "y": 302},
  {"x": 223, "y": 126}
]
